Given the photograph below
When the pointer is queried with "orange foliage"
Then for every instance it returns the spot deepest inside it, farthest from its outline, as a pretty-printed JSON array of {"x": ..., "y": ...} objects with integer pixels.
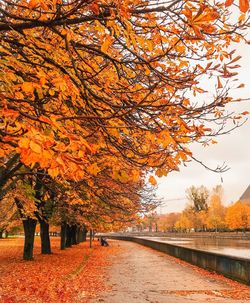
[
  {"x": 73, "y": 275},
  {"x": 118, "y": 81},
  {"x": 238, "y": 216}
]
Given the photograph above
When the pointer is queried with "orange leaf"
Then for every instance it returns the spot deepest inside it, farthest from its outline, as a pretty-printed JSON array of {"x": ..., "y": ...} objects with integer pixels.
[
  {"x": 228, "y": 3},
  {"x": 105, "y": 46},
  {"x": 211, "y": 16},
  {"x": 152, "y": 180},
  {"x": 244, "y": 5},
  {"x": 24, "y": 142},
  {"x": 27, "y": 87},
  {"x": 45, "y": 119},
  {"x": 235, "y": 59},
  {"x": 53, "y": 172},
  {"x": 35, "y": 147},
  {"x": 219, "y": 83},
  {"x": 188, "y": 13},
  {"x": 34, "y": 3},
  {"x": 241, "y": 85},
  {"x": 93, "y": 169}
]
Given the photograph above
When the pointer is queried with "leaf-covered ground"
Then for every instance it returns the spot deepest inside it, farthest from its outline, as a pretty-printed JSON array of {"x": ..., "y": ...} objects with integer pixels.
[{"x": 74, "y": 275}]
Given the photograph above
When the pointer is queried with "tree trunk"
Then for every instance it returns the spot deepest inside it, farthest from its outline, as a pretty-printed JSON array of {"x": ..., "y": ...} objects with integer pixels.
[
  {"x": 1, "y": 234},
  {"x": 63, "y": 235},
  {"x": 73, "y": 234},
  {"x": 90, "y": 238},
  {"x": 84, "y": 234},
  {"x": 78, "y": 234},
  {"x": 68, "y": 236},
  {"x": 45, "y": 239},
  {"x": 29, "y": 226}
]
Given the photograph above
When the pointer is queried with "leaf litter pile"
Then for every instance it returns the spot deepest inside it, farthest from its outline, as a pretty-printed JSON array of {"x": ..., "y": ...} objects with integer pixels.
[{"x": 73, "y": 275}]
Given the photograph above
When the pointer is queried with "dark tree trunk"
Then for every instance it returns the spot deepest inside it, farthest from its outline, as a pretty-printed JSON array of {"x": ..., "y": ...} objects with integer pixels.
[
  {"x": 73, "y": 234},
  {"x": 63, "y": 235},
  {"x": 29, "y": 226},
  {"x": 90, "y": 237},
  {"x": 78, "y": 232},
  {"x": 68, "y": 236},
  {"x": 45, "y": 239},
  {"x": 84, "y": 234},
  {"x": 1, "y": 234}
]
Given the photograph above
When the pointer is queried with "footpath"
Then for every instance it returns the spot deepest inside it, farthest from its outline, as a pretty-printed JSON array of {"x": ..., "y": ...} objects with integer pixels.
[{"x": 143, "y": 275}]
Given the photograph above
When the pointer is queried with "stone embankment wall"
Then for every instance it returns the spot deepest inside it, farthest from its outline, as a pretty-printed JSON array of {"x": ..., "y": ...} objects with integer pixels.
[
  {"x": 231, "y": 267},
  {"x": 219, "y": 235}
]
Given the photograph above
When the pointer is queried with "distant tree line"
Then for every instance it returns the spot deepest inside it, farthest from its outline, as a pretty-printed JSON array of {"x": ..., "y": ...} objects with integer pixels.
[{"x": 204, "y": 212}]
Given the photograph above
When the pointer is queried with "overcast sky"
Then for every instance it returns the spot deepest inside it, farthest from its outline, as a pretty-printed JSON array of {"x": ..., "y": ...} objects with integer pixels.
[{"x": 233, "y": 149}]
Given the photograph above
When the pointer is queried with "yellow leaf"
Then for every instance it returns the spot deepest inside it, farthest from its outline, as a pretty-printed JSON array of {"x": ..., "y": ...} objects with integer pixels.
[
  {"x": 35, "y": 147},
  {"x": 152, "y": 180}
]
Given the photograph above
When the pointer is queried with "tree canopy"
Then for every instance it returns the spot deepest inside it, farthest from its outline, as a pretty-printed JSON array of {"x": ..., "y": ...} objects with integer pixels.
[{"x": 97, "y": 96}]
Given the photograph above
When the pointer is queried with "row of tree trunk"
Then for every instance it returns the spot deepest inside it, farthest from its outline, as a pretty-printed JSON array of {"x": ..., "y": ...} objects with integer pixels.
[{"x": 70, "y": 235}]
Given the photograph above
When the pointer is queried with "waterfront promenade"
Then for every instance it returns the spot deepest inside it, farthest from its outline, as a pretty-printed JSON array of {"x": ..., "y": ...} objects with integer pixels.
[{"x": 140, "y": 274}]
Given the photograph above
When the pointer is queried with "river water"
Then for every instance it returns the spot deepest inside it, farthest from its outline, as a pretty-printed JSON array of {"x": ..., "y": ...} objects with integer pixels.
[{"x": 231, "y": 247}]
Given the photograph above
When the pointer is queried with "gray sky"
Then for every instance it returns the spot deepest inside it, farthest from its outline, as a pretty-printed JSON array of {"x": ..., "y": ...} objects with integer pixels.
[{"x": 233, "y": 149}]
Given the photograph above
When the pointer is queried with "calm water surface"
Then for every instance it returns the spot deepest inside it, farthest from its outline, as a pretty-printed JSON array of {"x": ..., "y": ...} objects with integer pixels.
[{"x": 232, "y": 247}]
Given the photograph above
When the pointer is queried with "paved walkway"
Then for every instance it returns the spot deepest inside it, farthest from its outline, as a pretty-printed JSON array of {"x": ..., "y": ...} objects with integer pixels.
[{"x": 142, "y": 275}]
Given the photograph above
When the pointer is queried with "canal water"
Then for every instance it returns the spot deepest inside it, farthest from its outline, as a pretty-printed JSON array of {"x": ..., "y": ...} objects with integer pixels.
[{"x": 231, "y": 247}]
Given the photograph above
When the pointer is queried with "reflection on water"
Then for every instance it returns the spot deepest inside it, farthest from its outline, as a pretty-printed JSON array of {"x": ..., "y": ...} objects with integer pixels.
[{"x": 232, "y": 247}]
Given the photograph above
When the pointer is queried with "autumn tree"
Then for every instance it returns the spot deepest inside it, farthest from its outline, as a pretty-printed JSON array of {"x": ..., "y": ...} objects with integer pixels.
[
  {"x": 198, "y": 198},
  {"x": 99, "y": 88},
  {"x": 238, "y": 216},
  {"x": 184, "y": 223},
  {"x": 216, "y": 211},
  {"x": 167, "y": 222},
  {"x": 110, "y": 75}
]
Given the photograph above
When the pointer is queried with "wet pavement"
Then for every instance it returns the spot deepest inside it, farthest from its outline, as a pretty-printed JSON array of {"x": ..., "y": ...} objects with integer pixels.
[{"x": 143, "y": 275}]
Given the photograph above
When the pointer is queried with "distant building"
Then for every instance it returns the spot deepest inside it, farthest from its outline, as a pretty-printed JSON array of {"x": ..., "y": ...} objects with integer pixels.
[{"x": 246, "y": 196}]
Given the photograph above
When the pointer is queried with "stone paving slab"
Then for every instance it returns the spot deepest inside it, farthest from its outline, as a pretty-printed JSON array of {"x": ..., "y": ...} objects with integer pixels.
[{"x": 142, "y": 275}]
